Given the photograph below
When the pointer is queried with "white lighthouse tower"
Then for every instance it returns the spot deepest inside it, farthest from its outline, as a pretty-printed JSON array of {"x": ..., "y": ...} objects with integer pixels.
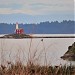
[{"x": 17, "y": 25}]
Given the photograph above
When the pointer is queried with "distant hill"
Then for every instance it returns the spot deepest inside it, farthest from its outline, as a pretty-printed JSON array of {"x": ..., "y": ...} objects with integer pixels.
[{"x": 65, "y": 27}]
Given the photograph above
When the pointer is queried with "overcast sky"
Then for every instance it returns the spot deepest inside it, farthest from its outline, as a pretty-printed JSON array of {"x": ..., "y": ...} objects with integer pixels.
[{"x": 51, "y": 8}]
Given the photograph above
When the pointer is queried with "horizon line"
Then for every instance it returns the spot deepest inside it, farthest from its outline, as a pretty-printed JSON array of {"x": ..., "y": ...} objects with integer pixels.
[{"x": 38, "y": 22}]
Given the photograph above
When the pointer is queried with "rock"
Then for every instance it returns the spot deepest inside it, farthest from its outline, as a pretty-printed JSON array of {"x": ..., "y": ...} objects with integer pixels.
[
  {"x": 16, "y": 36},
  {"x": 70, "y": 54}
]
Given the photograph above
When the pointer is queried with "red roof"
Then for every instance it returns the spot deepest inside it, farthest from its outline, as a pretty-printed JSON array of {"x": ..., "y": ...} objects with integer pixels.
[{"x": 19, "y": 31}]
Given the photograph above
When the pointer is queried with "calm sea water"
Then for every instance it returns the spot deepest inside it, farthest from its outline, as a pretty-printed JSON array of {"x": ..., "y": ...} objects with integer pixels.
[{"x": 39, "y": 50}]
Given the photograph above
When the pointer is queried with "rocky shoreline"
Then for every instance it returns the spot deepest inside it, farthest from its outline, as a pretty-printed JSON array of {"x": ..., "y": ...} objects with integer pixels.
[
  {"x": 70, "y": 54},
  {"x": 16, "y": 36}
]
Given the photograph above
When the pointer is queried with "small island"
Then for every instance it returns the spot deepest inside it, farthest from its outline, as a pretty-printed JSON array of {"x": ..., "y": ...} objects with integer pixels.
[
  {"x": 16, "y": 36},
  {"x": 19, "y": 33},
  {"x": 70, "y": 54}
]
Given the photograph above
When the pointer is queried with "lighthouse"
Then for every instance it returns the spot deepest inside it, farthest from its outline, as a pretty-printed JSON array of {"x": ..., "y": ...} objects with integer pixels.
[
  {"x": 16, "y": 25},
  {"x": 19, "y": 30}
]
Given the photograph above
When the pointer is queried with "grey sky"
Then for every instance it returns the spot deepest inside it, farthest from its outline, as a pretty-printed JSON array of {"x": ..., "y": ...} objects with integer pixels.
[{"x": 36, "y": 7}]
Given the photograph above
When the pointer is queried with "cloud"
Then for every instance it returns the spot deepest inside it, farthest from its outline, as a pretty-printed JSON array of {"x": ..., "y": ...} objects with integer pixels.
[
  {"x": 5, "y": 11},
  {"x": 38, "y": 10},
  {"x": 12, "y": 6},
  {"x": 36, "y": 7}
]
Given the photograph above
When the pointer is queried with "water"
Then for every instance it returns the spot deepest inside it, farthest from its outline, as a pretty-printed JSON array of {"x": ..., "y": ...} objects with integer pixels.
[{"x": 38, "y": 50}]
